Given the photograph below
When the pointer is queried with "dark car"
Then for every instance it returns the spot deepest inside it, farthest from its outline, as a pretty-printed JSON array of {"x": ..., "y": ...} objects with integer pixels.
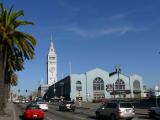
[
  {"x": 154, "y": 112},
  {"x": 67, "y": 106}
]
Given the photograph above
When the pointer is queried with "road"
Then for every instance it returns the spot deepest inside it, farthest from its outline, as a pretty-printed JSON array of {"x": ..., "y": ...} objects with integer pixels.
[{"x": 80, "y": 114}]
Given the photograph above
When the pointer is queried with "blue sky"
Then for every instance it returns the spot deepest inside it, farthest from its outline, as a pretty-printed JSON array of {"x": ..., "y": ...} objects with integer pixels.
[{"x": 93, "y": 33}]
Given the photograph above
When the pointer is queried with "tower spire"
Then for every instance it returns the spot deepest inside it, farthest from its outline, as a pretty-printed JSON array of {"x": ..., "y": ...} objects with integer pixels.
[
  {"x": 52, "y": 40},
  {"x": 51, "y": 49}
]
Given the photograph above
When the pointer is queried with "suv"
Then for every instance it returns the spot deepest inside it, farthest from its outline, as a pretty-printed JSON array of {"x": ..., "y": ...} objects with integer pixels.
[
  {"x": 116, "y": 110},
  {"x": 67, "y": 105}
]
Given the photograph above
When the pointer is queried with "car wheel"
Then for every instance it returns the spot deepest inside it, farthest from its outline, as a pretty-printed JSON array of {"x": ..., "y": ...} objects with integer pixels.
[
  {"x": 152, "y": 114},
  {"x": 73, "y": 110},
  {"x": 98, "y": 115},
  {"x": 129, "y": 118},
  {"x": 113, "y": 117}
]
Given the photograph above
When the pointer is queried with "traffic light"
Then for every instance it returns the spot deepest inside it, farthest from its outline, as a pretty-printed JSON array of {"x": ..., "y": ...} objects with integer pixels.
[
  {"x": 26, "y": 90},
  {"x": 18, "y": 90}
]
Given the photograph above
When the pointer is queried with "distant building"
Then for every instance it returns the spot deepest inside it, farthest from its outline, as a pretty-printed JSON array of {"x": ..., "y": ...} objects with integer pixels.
[{"x": 97, "y": 83}]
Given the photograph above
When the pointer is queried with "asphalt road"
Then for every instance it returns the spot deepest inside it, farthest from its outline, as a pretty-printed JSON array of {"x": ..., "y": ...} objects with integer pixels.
[{"x": 80, "y": 114}]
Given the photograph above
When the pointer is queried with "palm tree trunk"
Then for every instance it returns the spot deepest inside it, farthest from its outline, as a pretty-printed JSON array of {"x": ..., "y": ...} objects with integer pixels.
[
  {"x": 3, "y": 60},
  {"x": 2, "y": 93}
]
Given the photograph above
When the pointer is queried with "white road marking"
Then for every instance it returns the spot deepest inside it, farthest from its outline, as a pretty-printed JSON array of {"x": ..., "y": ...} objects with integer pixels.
[{"x": 49, "y": 118}]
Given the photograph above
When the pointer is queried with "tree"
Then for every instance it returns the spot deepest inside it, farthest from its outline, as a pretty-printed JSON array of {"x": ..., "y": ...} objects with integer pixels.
[{"x": 15, "y": 47}]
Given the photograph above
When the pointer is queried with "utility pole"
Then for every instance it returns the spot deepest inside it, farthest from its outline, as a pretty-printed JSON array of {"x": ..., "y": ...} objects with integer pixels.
[
  {"x": 86, "y": 88},
  {"x": 113, "y": 92},
  {"x": 118, "y": 70}
]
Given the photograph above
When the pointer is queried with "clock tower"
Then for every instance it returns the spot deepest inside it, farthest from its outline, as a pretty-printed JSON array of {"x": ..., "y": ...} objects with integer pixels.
[{"x": 51, "y": 65}]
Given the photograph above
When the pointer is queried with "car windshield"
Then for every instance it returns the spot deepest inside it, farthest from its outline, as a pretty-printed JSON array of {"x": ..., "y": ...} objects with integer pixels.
[
  {"x": 41, "y": 102},
  {"x": 69, "y": 102},
  {"x": 126, "y": 105},
  {"x": 33, "y": 107}
]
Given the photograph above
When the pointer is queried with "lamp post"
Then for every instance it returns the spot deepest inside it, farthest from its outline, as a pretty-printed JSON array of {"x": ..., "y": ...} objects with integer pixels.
[
  {"x": 86, "y": 88},
  {"x": 62, "y": 83},
  {"x": 54, "y": 89},
  {"x": 118, "y": 70},
  {"x": 156, "y": 93}
]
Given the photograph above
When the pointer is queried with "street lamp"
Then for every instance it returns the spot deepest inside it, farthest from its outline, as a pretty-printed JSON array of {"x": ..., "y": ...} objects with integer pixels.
[
  {"x": 156, "y": 94},
  {"x": 54, "y": 89},
  {"x": 86, "y": 88},
  {"x": 62, "y": 83},
  {"x": 118, "y": 70}
]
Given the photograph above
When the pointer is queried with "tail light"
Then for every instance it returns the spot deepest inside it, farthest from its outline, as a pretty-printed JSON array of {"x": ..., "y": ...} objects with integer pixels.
[
  {"x": 119, "y": 111},
  {"x": 133, "y": 110}
]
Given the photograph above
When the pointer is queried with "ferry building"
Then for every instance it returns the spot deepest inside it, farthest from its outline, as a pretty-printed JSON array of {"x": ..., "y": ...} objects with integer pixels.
[{"x": 97, "y": 83}]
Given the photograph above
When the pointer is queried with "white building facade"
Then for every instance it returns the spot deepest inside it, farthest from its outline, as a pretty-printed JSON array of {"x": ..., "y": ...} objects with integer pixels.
[{"x": 97, "y": 83}]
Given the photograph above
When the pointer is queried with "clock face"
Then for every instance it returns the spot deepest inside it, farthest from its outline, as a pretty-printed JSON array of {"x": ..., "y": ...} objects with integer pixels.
[
  {"x": 51, "y": 69},
  {"x": 51, "y": 63}
]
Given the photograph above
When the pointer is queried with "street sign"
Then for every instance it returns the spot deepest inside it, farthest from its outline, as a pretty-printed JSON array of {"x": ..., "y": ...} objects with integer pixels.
[
  {"x": 109, "y": 87},
  {"x": 156, "y": 88}
]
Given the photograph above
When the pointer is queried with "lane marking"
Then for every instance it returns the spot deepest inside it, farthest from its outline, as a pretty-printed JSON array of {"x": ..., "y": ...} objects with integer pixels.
[{"x": 49, "y": 118}]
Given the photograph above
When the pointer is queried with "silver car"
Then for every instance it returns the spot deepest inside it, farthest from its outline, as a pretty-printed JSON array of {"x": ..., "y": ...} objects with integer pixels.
[{"x": 116, "y": 110}]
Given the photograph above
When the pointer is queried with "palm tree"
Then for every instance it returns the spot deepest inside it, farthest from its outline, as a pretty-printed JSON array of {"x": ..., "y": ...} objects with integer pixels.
[{"x": 15, "y": 46}]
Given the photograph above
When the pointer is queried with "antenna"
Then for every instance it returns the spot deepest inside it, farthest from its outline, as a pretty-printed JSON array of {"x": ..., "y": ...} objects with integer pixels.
[
  {"x": 41, "y": 82},
  {"x": 70, "y": 68}
]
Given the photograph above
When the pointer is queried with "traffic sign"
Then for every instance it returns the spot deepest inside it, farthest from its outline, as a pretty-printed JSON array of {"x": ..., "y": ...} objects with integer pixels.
[{"x": 156, "y": 88}]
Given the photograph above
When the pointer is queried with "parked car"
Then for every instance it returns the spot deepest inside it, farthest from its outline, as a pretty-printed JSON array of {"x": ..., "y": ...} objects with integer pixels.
[
  {"x": 33, "y": 111},
  {"x": 116, "y": 110},
  {"x": 67, "y": 105},
  {"x": 43, "y": 105},
  {"x": 154, "y": 112}
]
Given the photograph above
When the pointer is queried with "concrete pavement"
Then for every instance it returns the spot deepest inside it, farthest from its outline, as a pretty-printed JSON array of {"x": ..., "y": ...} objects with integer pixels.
[{"x": 10, "y": 113}]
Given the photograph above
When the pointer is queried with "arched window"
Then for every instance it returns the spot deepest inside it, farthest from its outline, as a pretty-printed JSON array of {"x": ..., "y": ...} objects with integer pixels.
[
  {"x": 78, "y": 86},
  {"x": 98, "y": 84},
  {"x": 136, "y": 85},
  {"x": 120, "y": 85}
]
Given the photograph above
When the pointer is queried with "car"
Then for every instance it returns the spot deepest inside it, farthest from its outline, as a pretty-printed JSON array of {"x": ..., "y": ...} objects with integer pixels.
[
  {"x": 43, "y": 105},
  {"x": 33, "y": 111},
  {"x": 116, "y": 110},
  {"x": 67, "y": 106},
  {"x": 154, "y": 112}
]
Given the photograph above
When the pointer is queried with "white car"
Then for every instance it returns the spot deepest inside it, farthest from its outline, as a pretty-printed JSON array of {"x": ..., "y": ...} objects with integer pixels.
[{"x": 42, "y": 105}]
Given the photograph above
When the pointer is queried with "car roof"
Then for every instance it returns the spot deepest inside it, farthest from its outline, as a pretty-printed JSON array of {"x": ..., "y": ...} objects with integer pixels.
[{"x": 117, "y": 101}]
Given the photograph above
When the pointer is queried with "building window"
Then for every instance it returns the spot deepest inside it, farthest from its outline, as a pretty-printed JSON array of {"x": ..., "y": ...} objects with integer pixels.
[
  {"x": 120, "y": 85},
  {"x": 136, "y": 85},
  {"x": 78, "y": 86},
  {"x": 98, "y": 84}
]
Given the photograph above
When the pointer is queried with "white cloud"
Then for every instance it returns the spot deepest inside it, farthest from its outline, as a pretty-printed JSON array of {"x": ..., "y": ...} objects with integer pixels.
[
  {"x": 119, "y": 30},
  {"x": 100, "y": 32}
]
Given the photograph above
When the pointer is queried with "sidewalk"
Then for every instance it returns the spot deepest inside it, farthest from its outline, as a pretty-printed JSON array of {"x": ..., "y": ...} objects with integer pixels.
[{"x": 11, "y": 115}]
